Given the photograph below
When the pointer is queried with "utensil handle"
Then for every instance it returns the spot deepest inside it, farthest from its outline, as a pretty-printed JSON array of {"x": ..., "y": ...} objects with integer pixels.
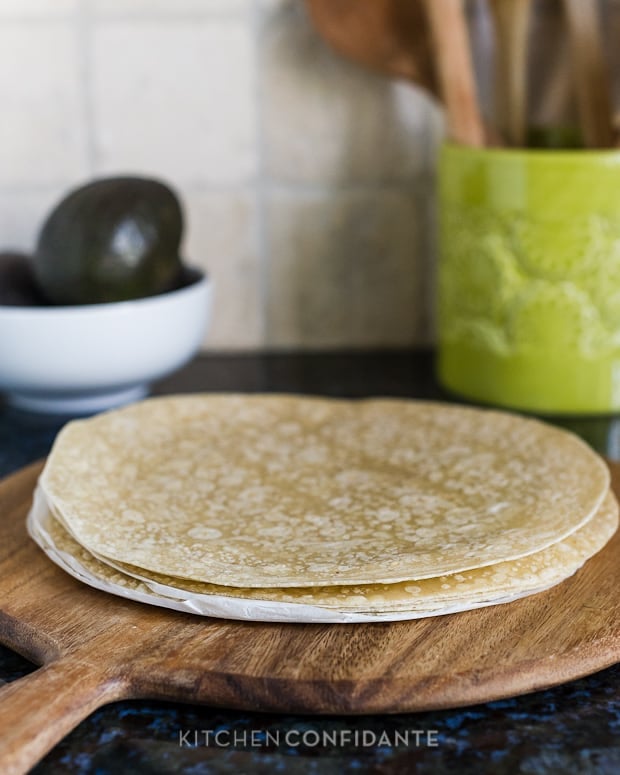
[
  {"x": 591, "y": 73},
  {"x": 457, "y": 81},
  {"x": 37, "y": 711},
  {"x": 511, "y": 22}
]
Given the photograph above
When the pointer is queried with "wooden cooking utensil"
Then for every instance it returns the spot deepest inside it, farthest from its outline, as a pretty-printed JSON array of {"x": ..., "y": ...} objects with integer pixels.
[
  {"x": 590, "y": 72},
  {"x": 511, "y": 18},
  {"x": 390, "y": 36},
  {"x": 551, "y": 89},
  {"x": 455, "y": 70},
  {"x": 95, "y": 648},
  {"x": 394, "y": 38},
  {"x": 554, "y": 105}
]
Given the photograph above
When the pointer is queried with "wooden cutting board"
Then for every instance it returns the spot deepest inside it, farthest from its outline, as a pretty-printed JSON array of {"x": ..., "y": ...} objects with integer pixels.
[{"x": 95, "y": 648}]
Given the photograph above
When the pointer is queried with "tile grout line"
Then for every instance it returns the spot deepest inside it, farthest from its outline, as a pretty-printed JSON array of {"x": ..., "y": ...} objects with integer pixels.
[
  {"x": 111, "y": 18},
  {"x": 268, "y": 186},
  {"x": 426, "y": 325},
  {"x": 44, "y": 19},
  {"x": 172, "y": 18},
  {"x": 260, "y": 185},
  {"x": 423, "y": 244},
  {"x": 84, "y": 32},
  {"x": 421, "y": 259}
]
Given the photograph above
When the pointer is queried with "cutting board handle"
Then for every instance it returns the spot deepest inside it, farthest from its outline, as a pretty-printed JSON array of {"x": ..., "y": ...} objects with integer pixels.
[{"x": 37, "y": 711}]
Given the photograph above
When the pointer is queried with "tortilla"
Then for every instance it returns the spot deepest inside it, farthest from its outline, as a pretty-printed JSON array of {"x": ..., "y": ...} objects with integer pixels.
[
  {"x": 286, "y": 491},
  {"x": 486, "y": 586}
]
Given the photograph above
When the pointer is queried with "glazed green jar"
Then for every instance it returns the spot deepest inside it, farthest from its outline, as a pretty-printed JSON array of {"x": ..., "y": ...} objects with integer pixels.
[{"x": 529, "y": 278}]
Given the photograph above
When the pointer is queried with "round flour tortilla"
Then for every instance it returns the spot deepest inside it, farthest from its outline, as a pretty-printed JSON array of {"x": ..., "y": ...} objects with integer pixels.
[
  {"x": 275, "y": 491},
  {"x": 447, "y": 594}
]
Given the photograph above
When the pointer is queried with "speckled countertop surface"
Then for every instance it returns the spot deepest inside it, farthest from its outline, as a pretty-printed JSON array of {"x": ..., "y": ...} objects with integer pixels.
[{"x": 573, "y": 728}]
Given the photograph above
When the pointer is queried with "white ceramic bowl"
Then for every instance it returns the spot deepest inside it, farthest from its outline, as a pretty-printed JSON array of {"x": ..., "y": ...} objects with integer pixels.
[{"x": 82, "y": 359}]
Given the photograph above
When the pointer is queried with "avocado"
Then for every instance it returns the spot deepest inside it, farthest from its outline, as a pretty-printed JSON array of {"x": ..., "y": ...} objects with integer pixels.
[
  {"x": 17, "y": 284},
  {"x": 110, "y": 240}
]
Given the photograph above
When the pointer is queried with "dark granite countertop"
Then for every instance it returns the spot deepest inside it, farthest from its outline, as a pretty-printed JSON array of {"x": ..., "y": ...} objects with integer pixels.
[{"x": 574, "y": 728}]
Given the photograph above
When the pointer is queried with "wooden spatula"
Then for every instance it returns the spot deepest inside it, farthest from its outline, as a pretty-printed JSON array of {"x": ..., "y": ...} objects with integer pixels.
[
  {"x": 590, "y": 72},
  {"x": 511, "y": 19}
]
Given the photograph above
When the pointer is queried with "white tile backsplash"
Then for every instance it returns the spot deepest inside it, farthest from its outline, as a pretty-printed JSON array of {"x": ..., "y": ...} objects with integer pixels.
[
  {"x": 221, "y": 238},
  {"x": 306, "y": 180},
  {"x": 42, "y": 132},
  {"x": 146, "y": 8},
  {"x": 176, "y": 100},
  {"x": 343, "y": 268},
  {"x": 10, "y": 9},
  {"x": 327, "y": 120},
  {"x": 22, "y": 214}
]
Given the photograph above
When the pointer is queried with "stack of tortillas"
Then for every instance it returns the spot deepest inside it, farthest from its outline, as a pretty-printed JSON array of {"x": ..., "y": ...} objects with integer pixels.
[{"x": 284, "y": 508}]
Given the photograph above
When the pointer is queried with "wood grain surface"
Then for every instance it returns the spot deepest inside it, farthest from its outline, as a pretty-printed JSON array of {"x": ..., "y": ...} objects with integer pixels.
[
  {"x": 590, "y": 72},
  {"x": 389, "y": 36},
  {"x": 455, "y": 70},
  {"x": 95, "y": 648}
]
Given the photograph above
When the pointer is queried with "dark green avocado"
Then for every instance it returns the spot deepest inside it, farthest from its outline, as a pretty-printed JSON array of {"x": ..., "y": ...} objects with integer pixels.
[
  {"x": 17, "y": 285},
  {"x": 110, "y": 240}
]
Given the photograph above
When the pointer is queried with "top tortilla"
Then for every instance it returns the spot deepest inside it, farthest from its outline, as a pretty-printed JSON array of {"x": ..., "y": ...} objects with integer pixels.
[{"x": 281, "y": 491}]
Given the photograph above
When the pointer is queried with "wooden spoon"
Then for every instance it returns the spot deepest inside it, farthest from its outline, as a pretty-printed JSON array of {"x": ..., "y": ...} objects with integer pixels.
[
  {"x": 551, "y": 89},
  {"x": 511, "y": 19},
  {"x": 390, "y": 36},
  {"x": 394, "y": 38},
  {"x": 450, "y": 36},
  {"x": 590, "y": 72}
]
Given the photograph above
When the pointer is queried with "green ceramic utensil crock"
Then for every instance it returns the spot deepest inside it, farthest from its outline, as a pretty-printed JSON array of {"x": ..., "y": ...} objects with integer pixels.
[{"x": 529, "y": 278}]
